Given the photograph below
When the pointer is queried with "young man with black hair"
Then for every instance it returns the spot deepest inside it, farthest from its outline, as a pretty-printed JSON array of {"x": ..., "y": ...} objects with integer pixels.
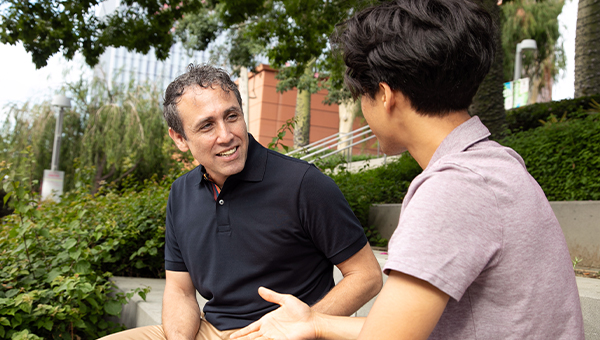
[{"x": 478, "y": 252}]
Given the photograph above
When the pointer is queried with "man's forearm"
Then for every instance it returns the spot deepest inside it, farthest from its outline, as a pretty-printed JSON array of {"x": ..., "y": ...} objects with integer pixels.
[
  {"x": 351, "y": 293},
  {"x": 180, "y": 316},
  {"x": 362, "y": 281}
]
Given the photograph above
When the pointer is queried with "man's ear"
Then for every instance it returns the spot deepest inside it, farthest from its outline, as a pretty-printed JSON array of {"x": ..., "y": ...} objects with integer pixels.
[
  {"x": 388, "y": 96},
  {"x": 179, "y": 140}
]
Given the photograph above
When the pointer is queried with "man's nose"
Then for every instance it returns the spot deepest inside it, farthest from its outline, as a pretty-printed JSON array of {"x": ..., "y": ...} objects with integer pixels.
[{"x": 224, "y": 134}]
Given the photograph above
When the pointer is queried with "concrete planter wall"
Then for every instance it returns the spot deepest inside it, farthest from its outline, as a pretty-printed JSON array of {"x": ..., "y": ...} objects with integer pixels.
[{"x": 579, "y": 220}]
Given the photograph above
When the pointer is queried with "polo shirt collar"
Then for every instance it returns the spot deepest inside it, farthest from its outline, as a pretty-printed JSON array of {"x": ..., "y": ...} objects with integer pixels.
[
  {"x": 461, "y": 138},
  {"x": 256, "y": 163}
]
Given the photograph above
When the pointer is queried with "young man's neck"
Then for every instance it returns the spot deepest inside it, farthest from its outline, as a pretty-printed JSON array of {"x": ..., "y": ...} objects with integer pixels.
[{"x": 426, "y": 133}]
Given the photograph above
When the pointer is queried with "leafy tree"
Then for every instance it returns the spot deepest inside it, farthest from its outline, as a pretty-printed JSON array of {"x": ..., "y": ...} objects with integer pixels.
[
  {"x": 107, "y": 135},
  {"x": 587, "y": 49},
  {"x": 292, "y": 34},
  {"x": 51, "y": 26},
  {"x": 288, "y": 32},
  {"x": 538, "y": 20}
]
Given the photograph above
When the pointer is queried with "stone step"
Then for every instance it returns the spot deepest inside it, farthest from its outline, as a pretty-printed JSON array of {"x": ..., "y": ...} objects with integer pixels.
[{"x": 140, "y": 313}]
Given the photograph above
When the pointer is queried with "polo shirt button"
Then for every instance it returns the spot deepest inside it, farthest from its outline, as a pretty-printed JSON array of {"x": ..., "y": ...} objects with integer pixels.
[{"x": 221, "y": 202}]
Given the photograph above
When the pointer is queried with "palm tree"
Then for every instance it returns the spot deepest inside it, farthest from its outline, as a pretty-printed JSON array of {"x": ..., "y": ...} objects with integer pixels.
[
  {"x": 488, "y": 103},
  {"x": 587, "y": 49}
]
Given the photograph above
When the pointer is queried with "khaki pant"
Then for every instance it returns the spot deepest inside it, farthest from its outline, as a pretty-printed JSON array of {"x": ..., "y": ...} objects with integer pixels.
[{"x": 206, "y": 332}]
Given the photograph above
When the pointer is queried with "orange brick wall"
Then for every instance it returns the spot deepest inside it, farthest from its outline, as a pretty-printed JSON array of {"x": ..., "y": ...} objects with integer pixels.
[{"x": 269, "y": 110}]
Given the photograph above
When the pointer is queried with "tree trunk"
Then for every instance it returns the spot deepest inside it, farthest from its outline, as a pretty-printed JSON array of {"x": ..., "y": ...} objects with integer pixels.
[
  {"x": 488, "y": 103},
  {"x": 587, "y": 49},
  {"x": 100, "y": 163},
  {"x": 347, "y": 113},
  {"x": 302, "y": 127},
  {"x": 243, "y": 87}
]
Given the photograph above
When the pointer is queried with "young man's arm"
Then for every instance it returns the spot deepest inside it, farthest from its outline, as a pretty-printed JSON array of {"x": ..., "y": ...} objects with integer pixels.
[
  {"x": 362, "y": 281},
  {"x": 406, "y": 308},
  {"x": 180, "y": 311}
]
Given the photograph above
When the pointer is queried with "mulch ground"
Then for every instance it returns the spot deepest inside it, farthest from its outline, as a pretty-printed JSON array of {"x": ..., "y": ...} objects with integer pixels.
[{"x": 591, "y": 273}]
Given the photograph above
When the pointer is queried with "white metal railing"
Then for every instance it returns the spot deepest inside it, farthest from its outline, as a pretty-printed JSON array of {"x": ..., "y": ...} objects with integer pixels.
[{"x": 318, "y": 150}]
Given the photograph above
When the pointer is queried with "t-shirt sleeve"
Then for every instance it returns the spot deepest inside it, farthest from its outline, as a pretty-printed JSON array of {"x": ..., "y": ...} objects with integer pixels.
[
  {"x": 326, "y": 216},
  {"x": 173, "y": 259},
  {"x": 448, "y": 231}
]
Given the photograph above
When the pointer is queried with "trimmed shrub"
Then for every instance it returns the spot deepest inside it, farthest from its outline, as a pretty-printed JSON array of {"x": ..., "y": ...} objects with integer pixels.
[
  {"x": 385, "y": 184},
  {"x": 564, "y": 157},
  {"x": 530, "y": 116}
]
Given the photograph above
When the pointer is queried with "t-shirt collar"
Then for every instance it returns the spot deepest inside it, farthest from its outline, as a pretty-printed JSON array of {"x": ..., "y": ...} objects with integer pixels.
[{"x": 461, "y": 138}]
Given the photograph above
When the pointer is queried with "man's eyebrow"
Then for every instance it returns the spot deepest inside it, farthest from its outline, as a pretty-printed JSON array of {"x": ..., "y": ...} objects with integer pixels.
[
  {"x": 199, "y": 125},
  {"x": 227, "y": 111},
  {"x": 232, "y": 108}
]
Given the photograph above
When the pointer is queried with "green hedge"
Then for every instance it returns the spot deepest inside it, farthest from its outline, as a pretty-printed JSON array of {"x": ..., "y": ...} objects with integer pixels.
[
  {"x": 386, "y": 184},
  {"x": 564, "y": 157},
  {"x": 57, "y": 258},
  {"x": 528, "y": 117}
]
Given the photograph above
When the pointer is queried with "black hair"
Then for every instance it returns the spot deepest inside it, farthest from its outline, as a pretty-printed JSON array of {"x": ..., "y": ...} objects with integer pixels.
[
  {"x": 204, "y": 76},
  {"x": 436, "y": 52}
]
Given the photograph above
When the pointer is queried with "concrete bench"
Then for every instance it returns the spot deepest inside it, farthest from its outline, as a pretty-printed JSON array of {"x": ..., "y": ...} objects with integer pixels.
[
  {"x": 579, "y": 220},
  {"x": 145, "y": 313}
]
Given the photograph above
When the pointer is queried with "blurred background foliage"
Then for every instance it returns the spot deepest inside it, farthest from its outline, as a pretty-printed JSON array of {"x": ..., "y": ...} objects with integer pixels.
[
  {"x": 107, "y": 135},
  {"x": 538, "y": 20}
]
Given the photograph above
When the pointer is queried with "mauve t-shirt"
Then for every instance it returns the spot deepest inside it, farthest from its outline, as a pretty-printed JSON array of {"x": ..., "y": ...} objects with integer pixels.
[{"x": 477, "y": 226}]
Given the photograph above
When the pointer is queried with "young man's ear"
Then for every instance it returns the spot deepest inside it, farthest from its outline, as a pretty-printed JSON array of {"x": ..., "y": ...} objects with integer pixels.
[
  {"x": 179, "y": 140},
  {"x": 388, "y": 96}
]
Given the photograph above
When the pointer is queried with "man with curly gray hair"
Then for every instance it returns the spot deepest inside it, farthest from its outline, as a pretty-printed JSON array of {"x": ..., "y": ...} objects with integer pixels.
[{"x": 248, "y": 217}]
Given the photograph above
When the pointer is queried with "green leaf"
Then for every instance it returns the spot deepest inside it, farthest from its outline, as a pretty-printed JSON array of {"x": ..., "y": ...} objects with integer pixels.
[
  {"x": 92, "y": 302},
  {"x": 44, "y": 232},
  {"x": 4, "y": 321},
  {"x": 70, "y": 243},
  {"x": 14, "y": 231},
  {"x": 48, "y": 324},
  {"x": 26, "y": 307},
  {"x": 82, "y": 267},
  {"x": 102, "y": 324},
  {"x": 17, "y": 320},
  {"x": 74, "y": 253},
  {"x": 112, "y": 307},
  {"x": 11, "y": 292},
  {"x": 80, "y": 324},
  {"x": 7, "y": 197}
]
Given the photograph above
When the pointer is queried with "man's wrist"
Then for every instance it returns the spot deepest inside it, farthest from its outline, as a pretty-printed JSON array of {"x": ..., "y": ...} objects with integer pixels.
[{"x": 319, "y": 324}]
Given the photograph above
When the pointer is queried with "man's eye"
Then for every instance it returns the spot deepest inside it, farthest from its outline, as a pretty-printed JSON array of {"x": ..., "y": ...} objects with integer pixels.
[
  {"x": 206, "y": 126},
  {"x": 233, "y": 116}
]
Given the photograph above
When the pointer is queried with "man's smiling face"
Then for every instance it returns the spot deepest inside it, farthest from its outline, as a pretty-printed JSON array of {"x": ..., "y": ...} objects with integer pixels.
[{"x": 216, "y": 133}]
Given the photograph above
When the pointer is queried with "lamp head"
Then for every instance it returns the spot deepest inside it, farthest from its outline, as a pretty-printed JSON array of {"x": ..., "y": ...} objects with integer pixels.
[
  {"x": 61, "y": 101},
  {"x": 527, "y": 44}
]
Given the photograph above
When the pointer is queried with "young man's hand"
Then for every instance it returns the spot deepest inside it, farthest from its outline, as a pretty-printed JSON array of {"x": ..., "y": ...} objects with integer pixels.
[{"x": 294, "y": 320}]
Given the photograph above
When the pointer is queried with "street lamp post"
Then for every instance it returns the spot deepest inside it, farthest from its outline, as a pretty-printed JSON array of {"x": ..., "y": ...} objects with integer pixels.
[
  {"x": 52, "y": 185},
  {"x": 526, "y": 44},
  {"x": 61, "y": 102}
]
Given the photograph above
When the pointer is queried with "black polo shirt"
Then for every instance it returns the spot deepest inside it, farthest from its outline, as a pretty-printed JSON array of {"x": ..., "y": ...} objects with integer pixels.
[{"x": 280, "y": 223}]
